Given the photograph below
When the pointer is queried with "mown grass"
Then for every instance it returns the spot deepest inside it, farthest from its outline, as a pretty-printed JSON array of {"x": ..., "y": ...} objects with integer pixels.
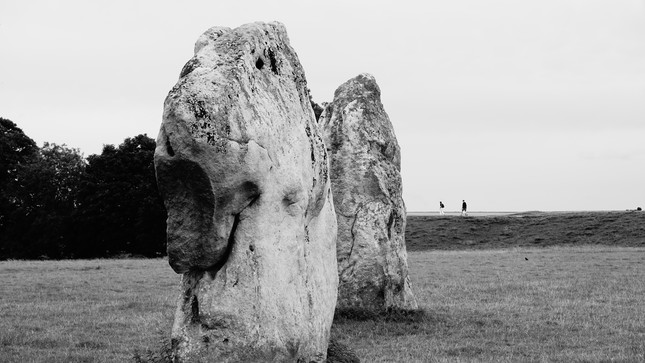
[
  {"x": 574, "y": 304},
  {"x": 83, "y": 311},
  {"x": 567, "y": 304}
]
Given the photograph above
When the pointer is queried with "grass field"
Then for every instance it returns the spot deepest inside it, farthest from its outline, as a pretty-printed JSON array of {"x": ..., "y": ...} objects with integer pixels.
[
  {"x": 568, "y": 304},
  {"x": 83, "y": 311},
  {"x": 572, "y": 304}
]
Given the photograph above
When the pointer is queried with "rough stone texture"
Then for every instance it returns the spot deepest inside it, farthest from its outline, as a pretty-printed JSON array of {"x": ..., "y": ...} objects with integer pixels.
[
  {"x": 366, "y": 184},
  {"x": 243, "y": 172}
]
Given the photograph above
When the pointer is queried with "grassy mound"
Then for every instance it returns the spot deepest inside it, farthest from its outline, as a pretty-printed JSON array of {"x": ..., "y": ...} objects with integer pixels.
[{"x": 534, "y": 229}]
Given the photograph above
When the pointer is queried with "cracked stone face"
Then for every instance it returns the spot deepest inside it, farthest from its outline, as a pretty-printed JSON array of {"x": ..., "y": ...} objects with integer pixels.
[
  {"x": 366, "y": 183},
  {"x": 243, "y": 172}
]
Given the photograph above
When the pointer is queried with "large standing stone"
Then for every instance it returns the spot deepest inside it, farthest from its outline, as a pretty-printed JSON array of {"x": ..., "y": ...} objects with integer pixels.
[
  {"x": 244, "y": 176},
  {"x": 366, "y": 183}
]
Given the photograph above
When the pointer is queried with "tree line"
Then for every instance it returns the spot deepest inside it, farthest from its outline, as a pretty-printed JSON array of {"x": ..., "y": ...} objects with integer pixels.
[{"x": 54, "y": 203}]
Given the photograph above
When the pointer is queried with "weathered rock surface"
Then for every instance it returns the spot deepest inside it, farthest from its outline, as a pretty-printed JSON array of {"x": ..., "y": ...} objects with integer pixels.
[
  {"x": 366, "y": 184},
  {"x": 244, "y": 176}
]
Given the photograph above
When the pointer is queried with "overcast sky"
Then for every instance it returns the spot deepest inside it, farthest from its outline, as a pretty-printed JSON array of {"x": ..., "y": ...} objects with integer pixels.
[{"x": 512, "y": 105}]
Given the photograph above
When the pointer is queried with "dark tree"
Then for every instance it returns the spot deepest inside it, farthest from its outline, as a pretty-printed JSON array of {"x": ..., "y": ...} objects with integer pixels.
[
  {"x": 16, "y": 149},
  {"x": 43, "y": 198},
  {"x": 54, "y": 204},
  {"x": 120, "y": 210},
  {"x": 51, "y": 180}
]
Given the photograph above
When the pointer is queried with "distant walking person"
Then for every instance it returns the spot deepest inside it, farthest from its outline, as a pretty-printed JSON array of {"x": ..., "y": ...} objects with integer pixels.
[
  {"x": 441, "y": 206},
  {"x": 464, "y": 206}
]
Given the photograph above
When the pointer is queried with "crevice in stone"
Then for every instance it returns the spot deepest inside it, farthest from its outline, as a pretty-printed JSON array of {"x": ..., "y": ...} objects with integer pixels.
[
  {"x": 169, "y": 149},
  {"x": 194, "y": 310},
  {"x": 350, "y": 266},
  {"x": 274, "y": 62},
  {"x": 311, "y": 143},
  {"x": 190, "y": 66},
  {"x": 389, "y": 225},
  {"x": 253, "y": 200},
  {"x": 351, "y": 230},
  {"x": 229, "y": 246},
  {"x": 191, "y": 303}
]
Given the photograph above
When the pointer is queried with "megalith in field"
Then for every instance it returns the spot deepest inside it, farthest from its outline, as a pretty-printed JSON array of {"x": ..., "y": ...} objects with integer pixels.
[
  {"x": 243, "y": 172},
  {"x": 365, "y": 163}
]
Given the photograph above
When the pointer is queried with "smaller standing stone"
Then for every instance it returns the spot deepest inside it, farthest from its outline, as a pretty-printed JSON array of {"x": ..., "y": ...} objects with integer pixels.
[{"x": 366, "y": 185}]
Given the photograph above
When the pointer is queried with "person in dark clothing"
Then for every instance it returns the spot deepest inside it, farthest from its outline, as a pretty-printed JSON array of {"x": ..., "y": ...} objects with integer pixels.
[
  {"x": 464, "y": 206},
  {"x": 441, "y": 206}
]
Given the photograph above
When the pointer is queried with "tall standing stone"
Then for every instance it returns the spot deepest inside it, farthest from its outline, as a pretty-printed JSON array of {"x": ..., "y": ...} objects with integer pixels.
[
  {"x": 366, "y": 184},
  {"x": 243, "y": 172}
]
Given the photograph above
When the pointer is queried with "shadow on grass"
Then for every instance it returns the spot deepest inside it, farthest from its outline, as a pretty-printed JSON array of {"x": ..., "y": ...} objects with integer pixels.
[
  {"x": 389, "y": 315},
  {"x": 394, "y": 322},
  {"x": 353, "y": 324}
]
